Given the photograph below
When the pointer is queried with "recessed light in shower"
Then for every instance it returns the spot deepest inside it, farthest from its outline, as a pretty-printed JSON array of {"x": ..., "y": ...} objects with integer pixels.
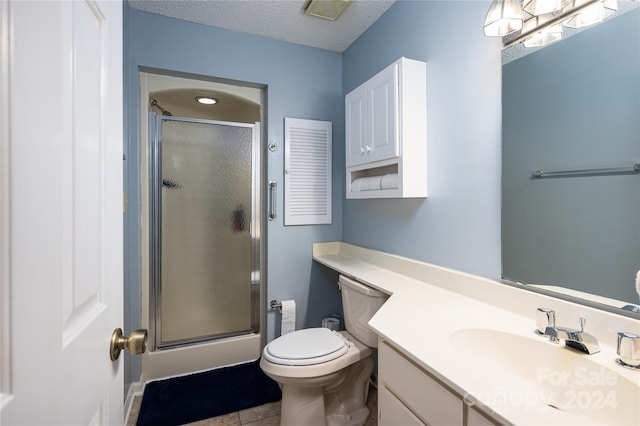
[{"x": 207, "y": 100}]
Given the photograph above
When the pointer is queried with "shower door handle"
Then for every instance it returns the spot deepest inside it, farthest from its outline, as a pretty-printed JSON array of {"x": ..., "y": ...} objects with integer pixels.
[{"x": 273, "y": 191}]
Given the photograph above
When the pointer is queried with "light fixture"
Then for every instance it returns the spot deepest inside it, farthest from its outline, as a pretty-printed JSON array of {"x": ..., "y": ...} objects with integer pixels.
[
  {"x": 206, "y": 100},
  {"x": 545, "y": 34},
  {"x": 327, "y": 9},
  {"x": 592, "y": 14},
  {"x": 541, "y": 7},
  {"x": 540, "y": 21},
  {"x": 504, "y": 17}
]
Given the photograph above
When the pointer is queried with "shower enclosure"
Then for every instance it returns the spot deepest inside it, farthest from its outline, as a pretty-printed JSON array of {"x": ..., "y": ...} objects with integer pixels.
[{"x": 204, "y": 217}]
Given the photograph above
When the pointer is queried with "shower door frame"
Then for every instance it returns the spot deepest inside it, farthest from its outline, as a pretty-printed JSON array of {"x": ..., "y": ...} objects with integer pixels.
[{"x": 155, "y": 233}]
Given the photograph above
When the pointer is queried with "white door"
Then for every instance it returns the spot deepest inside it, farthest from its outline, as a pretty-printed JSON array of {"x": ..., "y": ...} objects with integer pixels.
[{"x": 62, "y": 280}]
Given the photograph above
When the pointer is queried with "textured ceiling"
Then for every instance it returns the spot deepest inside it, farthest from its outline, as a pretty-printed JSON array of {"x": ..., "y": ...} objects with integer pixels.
[{"x": 277, "y": 19}]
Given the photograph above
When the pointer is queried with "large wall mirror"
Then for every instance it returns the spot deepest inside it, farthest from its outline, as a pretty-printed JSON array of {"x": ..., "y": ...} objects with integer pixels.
[{"x": 574, "y": 106}]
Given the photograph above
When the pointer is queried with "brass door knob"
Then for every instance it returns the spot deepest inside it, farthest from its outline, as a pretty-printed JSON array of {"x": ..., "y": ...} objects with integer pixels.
[{"x": 136, "y": 342}]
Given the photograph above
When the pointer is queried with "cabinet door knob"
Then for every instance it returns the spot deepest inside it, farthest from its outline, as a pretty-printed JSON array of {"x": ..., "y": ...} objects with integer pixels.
[
  {"x": 368, "y": 148},
  {"x": 362, "y": 151}
]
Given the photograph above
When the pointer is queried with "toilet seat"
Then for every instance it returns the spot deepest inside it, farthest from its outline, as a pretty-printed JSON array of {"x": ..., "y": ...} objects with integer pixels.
[{"x": 306, "y": 347}]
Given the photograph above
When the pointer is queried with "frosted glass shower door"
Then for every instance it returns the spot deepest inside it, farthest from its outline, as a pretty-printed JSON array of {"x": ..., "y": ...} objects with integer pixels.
[{"x": 204, "y": 211}]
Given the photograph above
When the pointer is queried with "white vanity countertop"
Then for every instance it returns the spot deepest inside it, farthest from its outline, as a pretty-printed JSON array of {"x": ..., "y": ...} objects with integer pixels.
[{"x": 428, "y": 304}]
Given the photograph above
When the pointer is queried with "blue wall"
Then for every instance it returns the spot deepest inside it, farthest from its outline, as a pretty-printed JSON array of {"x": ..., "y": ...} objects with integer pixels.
[
  {"x": 301, "y": 82},
  {"x": 458, "y": 225}
]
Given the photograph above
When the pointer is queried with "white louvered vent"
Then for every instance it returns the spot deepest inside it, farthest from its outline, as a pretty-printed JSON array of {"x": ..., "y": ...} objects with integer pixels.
[{"x": 307, "y": 168}]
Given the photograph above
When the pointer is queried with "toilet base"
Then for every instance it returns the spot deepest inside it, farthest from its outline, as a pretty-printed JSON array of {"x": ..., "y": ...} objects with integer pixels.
[
  {"x": 357, "y": 418},
  {"x": 347, "y": 405},
  {"x": 340, "y": 401}
]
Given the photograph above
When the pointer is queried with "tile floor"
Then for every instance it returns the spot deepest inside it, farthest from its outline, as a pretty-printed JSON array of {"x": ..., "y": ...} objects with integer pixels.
[{"x": 263, "y": 415}]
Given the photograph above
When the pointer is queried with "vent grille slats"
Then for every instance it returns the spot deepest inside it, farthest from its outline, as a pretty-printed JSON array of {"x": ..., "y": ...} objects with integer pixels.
[{"x": 307, "y": 188}]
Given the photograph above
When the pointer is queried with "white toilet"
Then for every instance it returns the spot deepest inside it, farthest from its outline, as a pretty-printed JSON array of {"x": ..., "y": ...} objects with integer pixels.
[{"x": 325, "y": 374}]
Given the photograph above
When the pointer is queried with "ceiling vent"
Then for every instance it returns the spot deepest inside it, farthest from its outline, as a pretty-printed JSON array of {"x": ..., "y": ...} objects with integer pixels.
[{"x": 327, "y": 9}]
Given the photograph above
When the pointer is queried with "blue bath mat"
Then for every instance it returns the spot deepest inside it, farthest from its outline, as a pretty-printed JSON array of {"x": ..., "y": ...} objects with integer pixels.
[{"x": 200, "y": 396}]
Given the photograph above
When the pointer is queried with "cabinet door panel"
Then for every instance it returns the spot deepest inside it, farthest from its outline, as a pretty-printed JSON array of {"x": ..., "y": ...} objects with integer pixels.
[
  {"x": 427, "y": 397},
  {"x": 356, "y": 126},
  {"x": 475, "y": 418},
  {"x": 392, "y": 412},
  {"x": 382, "y": 141}
]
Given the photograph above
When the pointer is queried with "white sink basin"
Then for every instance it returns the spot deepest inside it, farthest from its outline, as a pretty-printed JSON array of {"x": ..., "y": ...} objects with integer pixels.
[{"x": 538, "y": 374}]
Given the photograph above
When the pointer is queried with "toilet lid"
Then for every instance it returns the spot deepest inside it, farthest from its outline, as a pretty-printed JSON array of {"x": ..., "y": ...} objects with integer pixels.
[{"x": 306, "y": 347}]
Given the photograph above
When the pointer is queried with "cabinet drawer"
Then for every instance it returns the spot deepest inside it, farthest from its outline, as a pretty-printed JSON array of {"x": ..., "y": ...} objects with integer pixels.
[
  {"x": 433, "y": 403},
  {"x": 392, "y": 412},
  {"x": 476, "y": 418}
]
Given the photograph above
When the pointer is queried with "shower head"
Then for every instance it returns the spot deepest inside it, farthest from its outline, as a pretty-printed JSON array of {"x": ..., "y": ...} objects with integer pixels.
[{"x": 154, "y": 103}]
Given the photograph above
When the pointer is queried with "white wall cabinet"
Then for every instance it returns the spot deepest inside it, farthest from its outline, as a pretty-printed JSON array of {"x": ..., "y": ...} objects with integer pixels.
[
  {"x": 408, "y": 395},
  {"x": 386, "y": 133},
  {"x": 372, "y": 119}
]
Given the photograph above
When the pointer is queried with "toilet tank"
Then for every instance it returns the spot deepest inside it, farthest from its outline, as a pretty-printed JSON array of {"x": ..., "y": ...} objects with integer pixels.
[{"x": 360, "y": 303}]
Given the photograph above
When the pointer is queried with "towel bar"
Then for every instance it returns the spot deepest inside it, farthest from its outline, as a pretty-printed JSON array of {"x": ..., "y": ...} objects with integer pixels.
[{"x": 635, "y": 168}]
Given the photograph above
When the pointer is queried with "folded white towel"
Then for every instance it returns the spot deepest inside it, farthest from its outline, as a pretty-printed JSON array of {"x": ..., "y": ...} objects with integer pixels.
[
  {"x": 356, "y": 185},
  {"x": 389, "y": 181},
  {"x": 374, "y": 183},
  {"x": 364, "y": 184}
]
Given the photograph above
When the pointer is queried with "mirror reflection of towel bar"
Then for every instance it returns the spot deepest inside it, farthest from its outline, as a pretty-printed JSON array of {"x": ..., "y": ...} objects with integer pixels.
[{"x": 586, "y": 172}]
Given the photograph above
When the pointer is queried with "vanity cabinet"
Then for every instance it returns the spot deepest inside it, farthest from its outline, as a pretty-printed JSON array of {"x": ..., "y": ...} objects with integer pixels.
[
  {"x": 391, "y": 411},
  {"x": 477, "y": 418},
  {"x": 409, "y": 395},
  {"x": 386, "y": 133},
  {"x": 421, "y": 395}
]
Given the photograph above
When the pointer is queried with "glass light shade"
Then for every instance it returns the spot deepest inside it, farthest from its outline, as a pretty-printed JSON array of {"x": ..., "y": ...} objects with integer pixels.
[
  {"x": 546, "y": 35},
  {"x": 540, "y": 7},
  {"x": 503, "y": 17},
  {"x": 590, "y": 15}
]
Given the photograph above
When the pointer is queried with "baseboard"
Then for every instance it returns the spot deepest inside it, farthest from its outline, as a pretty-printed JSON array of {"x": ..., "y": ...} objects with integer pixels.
[
  {"x": 200, "y": 371},
  {"x": 135, "y": 389}
]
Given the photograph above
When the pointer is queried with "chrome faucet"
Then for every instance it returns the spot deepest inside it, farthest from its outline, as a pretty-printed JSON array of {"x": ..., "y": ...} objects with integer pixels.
[
  {"x": 545, "y": 317},
  {"x": 577, "y": 339}
]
